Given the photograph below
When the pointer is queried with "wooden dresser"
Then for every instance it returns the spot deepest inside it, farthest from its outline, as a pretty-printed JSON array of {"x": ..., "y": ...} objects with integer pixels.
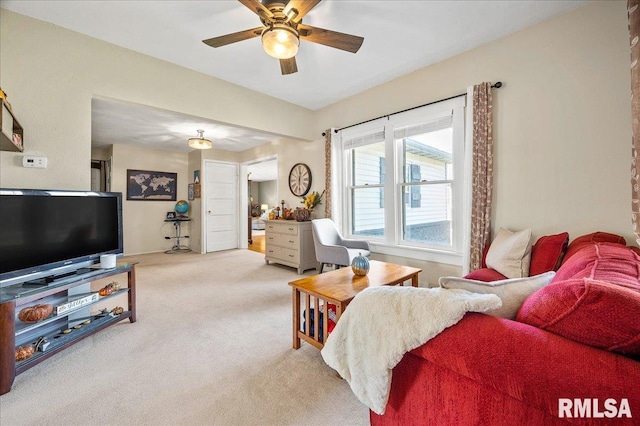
[{"x": 290, "y": 243}]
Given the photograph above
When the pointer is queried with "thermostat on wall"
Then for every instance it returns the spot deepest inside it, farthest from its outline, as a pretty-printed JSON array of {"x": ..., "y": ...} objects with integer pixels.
[{"x": 35, "y": 162}]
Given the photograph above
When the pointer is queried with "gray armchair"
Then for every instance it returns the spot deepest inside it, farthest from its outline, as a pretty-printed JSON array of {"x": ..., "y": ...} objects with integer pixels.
[{"x": 331, "y": 248}]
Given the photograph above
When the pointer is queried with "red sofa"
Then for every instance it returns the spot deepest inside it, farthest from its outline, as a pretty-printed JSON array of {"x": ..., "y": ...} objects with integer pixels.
[{"x": 577, "y": 338}]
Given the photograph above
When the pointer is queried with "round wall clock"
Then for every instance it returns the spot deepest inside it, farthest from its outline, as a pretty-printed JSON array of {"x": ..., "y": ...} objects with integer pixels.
[{"x": 300, "y": 179}]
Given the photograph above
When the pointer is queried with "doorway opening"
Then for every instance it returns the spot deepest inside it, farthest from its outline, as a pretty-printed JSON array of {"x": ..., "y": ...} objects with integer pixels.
[{"x": 262, "y": 198}]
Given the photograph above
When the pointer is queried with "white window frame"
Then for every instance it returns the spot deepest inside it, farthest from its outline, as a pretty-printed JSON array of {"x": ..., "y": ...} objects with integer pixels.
[{"x": 392, "y": 243}]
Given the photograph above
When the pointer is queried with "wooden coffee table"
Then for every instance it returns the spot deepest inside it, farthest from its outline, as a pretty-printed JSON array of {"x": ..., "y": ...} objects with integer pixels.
[{"x": 339, "y": 287}]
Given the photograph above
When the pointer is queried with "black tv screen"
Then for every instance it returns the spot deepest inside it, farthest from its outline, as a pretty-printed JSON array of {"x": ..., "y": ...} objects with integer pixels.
[{"x": 45, "y": 230}]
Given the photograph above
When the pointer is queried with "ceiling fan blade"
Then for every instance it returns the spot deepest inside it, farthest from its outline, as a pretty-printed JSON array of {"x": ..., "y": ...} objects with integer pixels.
[
  {"x": 288, "y": 66},
  {"x": 255, "y": 6},
  {"x": 232, "y": 38},
  {"x": 342, "y": 41},
  {"x": 301, "y": 6}
]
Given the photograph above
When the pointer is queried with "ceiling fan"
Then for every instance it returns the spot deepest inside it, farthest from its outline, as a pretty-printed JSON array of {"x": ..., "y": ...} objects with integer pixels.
[{"x": 282, "y": 29}]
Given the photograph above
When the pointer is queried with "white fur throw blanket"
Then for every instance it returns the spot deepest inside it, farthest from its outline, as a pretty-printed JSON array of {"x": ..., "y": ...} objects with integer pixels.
[{"x": 382, "y": 323}]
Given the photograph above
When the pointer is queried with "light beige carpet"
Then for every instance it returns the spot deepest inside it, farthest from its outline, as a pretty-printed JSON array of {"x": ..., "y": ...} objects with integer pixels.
[{"x": 212, "y": 346}]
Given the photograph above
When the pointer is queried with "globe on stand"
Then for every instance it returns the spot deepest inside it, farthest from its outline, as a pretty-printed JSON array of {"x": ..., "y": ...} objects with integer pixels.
[{"x": 182, "y": 207}]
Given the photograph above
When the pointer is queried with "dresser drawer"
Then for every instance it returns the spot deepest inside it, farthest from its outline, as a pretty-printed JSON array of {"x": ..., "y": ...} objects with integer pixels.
[
  {"x": 272, "y": 238},
  {"x": 288, "y": 241},
  {"x": 281, "y": 253},
  {"x": 282, "y": 240},
  {"x": 272, "y": 251},
  {"x": 282, "y": 228},
  {"x": 290, "y": 255}
]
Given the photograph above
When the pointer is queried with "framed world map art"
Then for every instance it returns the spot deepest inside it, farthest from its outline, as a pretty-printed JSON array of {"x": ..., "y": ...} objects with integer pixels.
[{"x": 145, "y": 185}]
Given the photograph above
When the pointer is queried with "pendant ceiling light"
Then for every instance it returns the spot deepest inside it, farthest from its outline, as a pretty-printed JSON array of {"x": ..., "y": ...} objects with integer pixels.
[
  {"x": 280, "y": 41},
  {"x": 200, "y": 142}
]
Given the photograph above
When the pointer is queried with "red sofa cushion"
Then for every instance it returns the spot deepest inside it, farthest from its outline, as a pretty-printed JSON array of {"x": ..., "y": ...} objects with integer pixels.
[
  {"x": 613, "y": 263},
  {"x": 547, "y": 253},
  {"x": 484, "y": 255},
  {"x": 586, "y": 240},
  {"x": 593, "y": 299},
  {"x": 593, "y": 312},
  {"x": 486, "y": 275}
]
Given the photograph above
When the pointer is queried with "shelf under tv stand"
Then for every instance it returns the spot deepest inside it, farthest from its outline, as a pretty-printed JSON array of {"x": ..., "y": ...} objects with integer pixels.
[
  {"x": 14, "y": 298},
  {"x": 82, "y": 273}
]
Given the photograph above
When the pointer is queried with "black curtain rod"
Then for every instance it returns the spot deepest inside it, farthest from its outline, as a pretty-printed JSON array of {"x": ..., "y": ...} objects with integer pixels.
[{"x": 497, "y": 86}]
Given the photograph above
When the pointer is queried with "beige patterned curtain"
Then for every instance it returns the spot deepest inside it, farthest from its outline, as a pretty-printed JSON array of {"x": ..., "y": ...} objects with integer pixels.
[
  {"x": 327, "y": 171},
  {"x": 482, "y": 173},
  {"x": 634, "y": 36}
]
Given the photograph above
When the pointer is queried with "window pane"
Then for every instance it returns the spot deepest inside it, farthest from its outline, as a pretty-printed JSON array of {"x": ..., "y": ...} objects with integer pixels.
[
  {"x": 368, "y": 164},
  {"x": 368, "y": 215},
  {"x": 428, "y": 156},
  {"x": 430, "y": 221}
]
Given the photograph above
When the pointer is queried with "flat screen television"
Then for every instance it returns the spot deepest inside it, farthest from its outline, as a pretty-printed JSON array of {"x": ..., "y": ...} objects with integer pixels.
[{"x": 51, "y": 232}]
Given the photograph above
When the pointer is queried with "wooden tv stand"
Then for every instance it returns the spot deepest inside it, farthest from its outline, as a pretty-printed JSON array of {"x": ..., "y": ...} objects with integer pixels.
[{"x": 61, "y": 330}]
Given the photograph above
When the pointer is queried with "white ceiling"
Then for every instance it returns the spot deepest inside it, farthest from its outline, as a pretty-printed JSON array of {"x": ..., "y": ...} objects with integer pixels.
[
  {"x": 263, "y": 170},
  {"x": 399, "y": 37},
  {"x": 119, "y": 122}
]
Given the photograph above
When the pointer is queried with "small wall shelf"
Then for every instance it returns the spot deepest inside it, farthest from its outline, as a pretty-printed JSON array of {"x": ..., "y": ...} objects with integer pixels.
[{"x": 11, "y": 134}]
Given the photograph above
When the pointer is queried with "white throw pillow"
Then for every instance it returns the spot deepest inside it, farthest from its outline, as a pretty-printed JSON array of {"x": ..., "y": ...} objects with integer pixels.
[
  {"x": 510, "y": 253},
  {"x": 512, "y": 292}
]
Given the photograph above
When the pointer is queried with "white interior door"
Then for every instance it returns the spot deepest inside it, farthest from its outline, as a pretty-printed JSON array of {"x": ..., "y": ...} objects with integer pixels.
[{"x": 221, "y": 205}]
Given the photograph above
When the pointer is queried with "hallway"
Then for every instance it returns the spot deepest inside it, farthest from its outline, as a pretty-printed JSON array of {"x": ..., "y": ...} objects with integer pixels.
[{"x": 258, "y": 242}]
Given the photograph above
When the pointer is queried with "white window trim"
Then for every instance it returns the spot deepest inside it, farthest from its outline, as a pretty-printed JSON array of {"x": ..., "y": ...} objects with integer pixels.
[
  {"x": 394, "y": 246},
  {"x": 418, "y": 253}
]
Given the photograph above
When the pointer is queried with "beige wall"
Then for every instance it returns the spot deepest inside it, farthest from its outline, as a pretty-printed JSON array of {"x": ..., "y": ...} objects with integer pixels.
[
  {"x": 562, "y": 121},
  {"x": 195, "y": 241},
  {"x": 102, "y": 153},
  {"x": 290, "y": 152},
  {"x": 255, "y": 192},
  {"x": 50, "y": 75},
  {"x": 268, "y": 193},
  {"x": 144, "y": 227}
]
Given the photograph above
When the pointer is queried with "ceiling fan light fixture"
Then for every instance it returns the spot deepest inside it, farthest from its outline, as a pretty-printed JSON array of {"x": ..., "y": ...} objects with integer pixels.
[
  {"x": 200, "y": 142},
  {"x": 280, "y": 41}
]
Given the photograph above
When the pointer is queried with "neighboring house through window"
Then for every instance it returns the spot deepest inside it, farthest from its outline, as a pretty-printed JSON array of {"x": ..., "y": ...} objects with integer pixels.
[{"x": 403, "y": 184}]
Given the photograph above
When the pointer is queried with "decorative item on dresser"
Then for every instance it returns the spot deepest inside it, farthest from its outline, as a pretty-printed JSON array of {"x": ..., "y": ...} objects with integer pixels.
[
  {"x": 302, "y": 215},
  {"x": 290, "y": 243}
]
